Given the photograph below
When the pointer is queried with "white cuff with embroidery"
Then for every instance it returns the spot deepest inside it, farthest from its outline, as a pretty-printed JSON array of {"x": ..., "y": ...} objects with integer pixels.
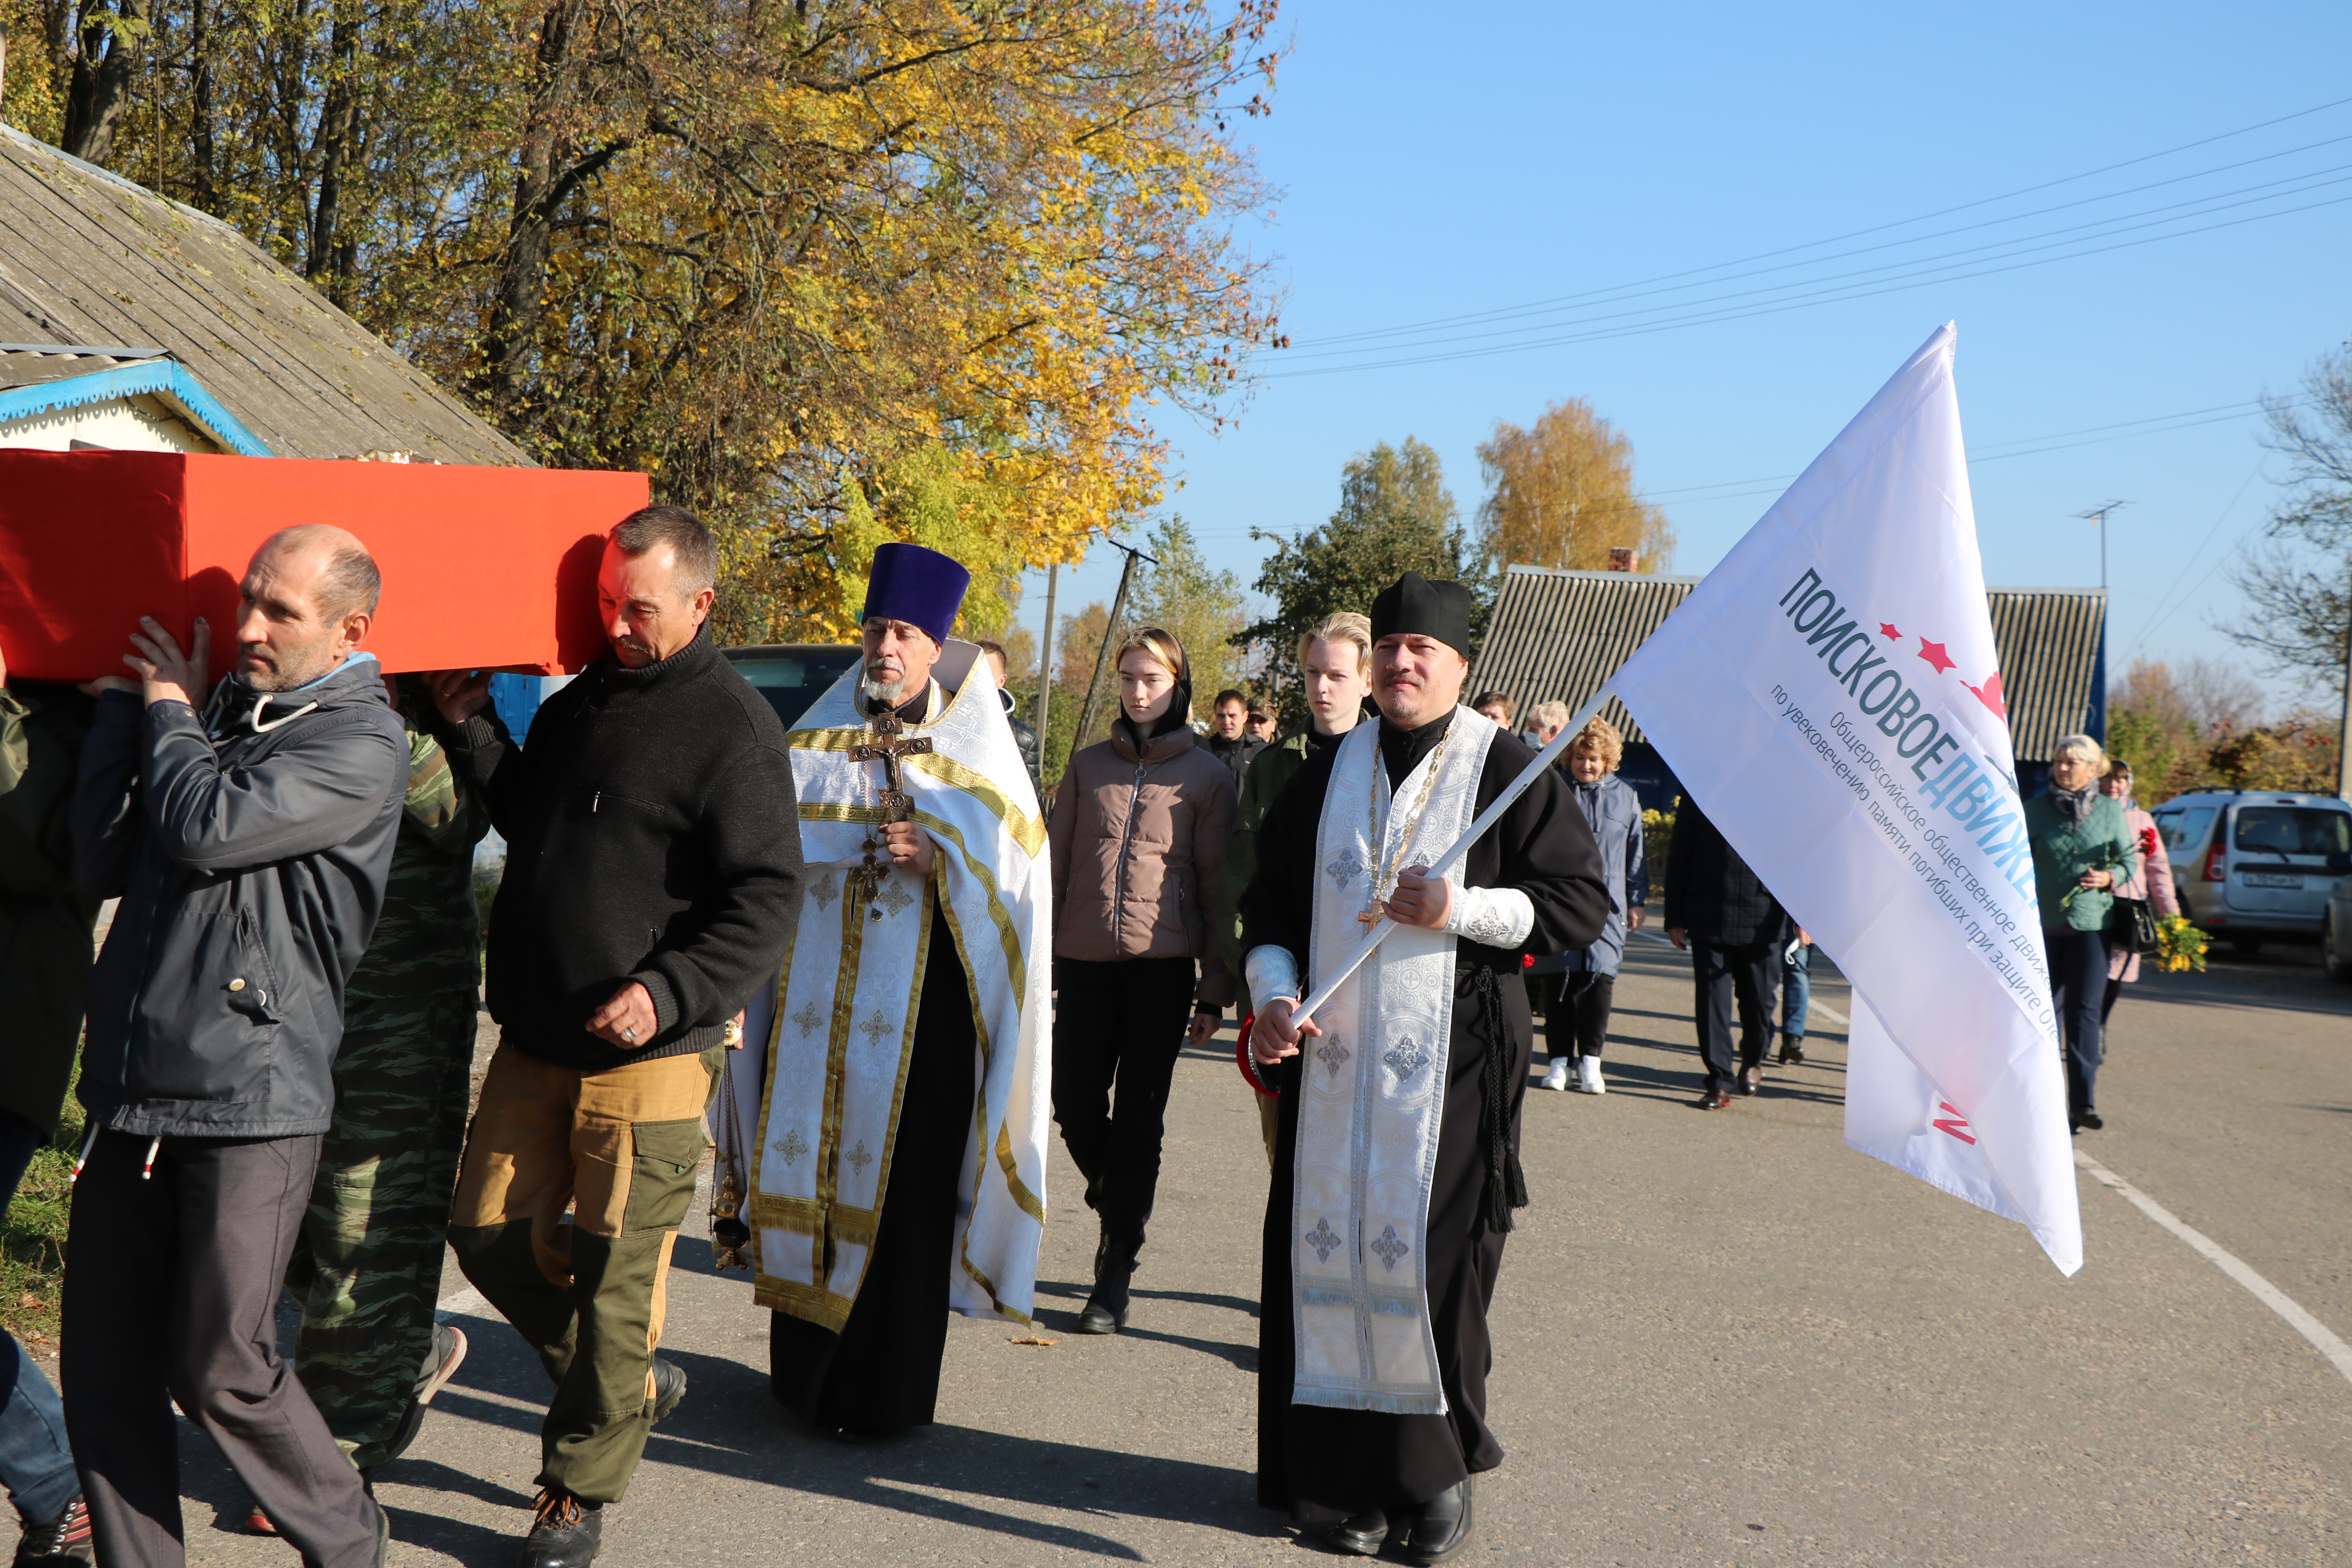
[
  {"x": 1271, "y": 972},
  {"x": 1491, "y": 917}
]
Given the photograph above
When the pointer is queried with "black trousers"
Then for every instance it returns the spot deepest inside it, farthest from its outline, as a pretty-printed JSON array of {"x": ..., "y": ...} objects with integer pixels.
[
  {"x": 1586, "y": 999},
  {"x": 1117, "y": 1026},
  {"x": 172, "y": 1295},
  {"x": 2078, "y": 984},
  {"x": 1720, "y": 971}
]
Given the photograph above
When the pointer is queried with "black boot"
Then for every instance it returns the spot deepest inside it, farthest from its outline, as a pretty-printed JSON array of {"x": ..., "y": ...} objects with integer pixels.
[
  {"x": 1105, "y": 1311},
  {"x": 1443, "y": 1526},
  {"x": 1362, "y": 1533},
  {"x": 564, "y": 1532}
]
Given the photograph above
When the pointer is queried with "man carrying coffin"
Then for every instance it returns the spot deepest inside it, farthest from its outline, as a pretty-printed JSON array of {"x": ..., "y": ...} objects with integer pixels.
[
  {"x": 893, "y": 1131},
  {"x": 1396, "y": 1159}
]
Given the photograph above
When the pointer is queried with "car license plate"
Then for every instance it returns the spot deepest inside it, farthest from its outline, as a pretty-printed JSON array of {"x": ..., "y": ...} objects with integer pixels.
[{"x": 2272, "y": 879}]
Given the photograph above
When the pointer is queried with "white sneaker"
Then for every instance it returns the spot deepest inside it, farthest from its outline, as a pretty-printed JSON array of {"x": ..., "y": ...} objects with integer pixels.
[
  {"x": 1557, "y": 1077},
  {"x": 1588, "y": 1075}
]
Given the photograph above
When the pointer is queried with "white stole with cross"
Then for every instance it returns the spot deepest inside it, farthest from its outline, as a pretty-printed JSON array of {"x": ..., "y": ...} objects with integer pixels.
[
  {"x": 812, "y": 1120},
  {"x": 1373, "y": 1088}
]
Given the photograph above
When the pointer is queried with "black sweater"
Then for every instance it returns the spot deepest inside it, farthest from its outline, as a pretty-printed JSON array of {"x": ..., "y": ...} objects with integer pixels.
[
  {"x": 1710, "y": 891},
  {"x": 651, "y": 835}
]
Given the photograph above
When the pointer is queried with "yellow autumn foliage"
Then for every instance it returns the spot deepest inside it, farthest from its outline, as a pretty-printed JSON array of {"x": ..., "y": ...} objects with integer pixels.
[{"x": 831, "y": 271}]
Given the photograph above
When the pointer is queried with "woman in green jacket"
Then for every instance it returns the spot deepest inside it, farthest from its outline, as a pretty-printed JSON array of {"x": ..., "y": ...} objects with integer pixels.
[{"x": 2082, "y": 845}]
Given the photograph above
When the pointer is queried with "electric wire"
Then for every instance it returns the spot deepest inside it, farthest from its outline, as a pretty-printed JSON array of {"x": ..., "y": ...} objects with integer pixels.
[
  {"x": 1617, "y": 294},
  {"x": 1835, "y": 297},
  {"x": 1882, "y": 227},
  {"x": 1923, "y": 269}
]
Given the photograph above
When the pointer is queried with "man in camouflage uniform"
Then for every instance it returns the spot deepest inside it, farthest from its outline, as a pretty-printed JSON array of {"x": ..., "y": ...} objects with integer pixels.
[{"x": 368, "y": 1266}]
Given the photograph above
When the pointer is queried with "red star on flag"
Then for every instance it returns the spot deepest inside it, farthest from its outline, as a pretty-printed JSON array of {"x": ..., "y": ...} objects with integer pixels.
[
  {"x": 1932, "y": 652},
  {"x": 1886, "y": 629}
]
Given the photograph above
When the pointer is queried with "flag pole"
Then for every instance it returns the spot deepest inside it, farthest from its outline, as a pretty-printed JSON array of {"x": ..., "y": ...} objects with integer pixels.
[{"x": 1461, "y": 846}]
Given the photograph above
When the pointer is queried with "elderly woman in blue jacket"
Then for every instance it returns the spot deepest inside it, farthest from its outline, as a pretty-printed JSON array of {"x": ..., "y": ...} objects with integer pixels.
[{"x": 1589, "y": 979}]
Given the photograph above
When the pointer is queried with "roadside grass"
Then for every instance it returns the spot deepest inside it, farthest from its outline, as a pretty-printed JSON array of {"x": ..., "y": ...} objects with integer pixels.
[{"x": 33, "y": 1240}]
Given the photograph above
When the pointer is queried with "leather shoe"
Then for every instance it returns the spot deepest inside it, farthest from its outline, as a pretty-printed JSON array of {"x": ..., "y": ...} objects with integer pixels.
[
  {"x": 1363, "y": 1534},
  {"x": 1751, "y": 1079},
  {"x": 1715, "y": 1100},
  {"x": 1108, "y": 1304},
  {"x": 1792, "y": 1056},
  {"x": 670, "y": 1389},
  {"x": 1443, "y": 1526},
  {"x": 564, "y": 1532},
  {"x": 2094, "y": 1120}
]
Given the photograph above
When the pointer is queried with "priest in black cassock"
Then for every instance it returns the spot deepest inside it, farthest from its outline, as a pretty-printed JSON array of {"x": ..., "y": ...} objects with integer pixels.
[
  {"x": 1396, "y": 1167},
  {"x": 882, "y": 1162}
]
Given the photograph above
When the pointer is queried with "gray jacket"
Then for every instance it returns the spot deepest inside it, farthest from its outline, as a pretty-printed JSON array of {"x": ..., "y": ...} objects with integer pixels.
[
  {"x": 249, "y": 850},
  {"x": 1615, "y": 812}
]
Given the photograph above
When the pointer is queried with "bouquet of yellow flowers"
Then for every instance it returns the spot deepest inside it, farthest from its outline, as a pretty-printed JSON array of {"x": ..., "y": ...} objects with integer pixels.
[{"x": 2179, "y": 945}]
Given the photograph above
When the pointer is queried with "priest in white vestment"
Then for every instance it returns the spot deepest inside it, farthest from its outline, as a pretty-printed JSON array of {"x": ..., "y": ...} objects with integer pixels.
[
  {"x": 886, "y": 1149},
  {"x": 1396, "y": 1154}
]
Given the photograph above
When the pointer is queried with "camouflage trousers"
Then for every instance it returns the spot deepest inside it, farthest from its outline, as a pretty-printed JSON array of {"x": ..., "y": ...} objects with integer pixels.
[{"x": 367, "y": 1267}]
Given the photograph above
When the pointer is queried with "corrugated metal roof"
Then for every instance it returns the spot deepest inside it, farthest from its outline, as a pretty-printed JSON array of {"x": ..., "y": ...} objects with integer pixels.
[
  {"x": 1559, "y": 636},
  {"x": 2047, "y": 639},
  {"x": 86, "y": 257}
]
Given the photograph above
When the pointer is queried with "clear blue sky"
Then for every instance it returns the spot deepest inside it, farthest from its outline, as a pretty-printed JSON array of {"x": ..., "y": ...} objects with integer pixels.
[{"x": 1441, "y": 161}]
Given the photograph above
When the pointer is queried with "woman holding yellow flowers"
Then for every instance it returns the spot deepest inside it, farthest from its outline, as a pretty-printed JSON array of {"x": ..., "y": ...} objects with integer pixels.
[{"x": 2082, "y": 847}]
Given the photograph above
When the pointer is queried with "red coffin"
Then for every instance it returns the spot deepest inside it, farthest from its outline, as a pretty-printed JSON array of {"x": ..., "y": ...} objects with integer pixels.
[{"x": 483, "y": 568}]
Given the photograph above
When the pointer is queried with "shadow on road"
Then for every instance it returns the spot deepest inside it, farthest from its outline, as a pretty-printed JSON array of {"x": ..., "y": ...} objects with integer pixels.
[{"x": 730, "y": 1429}]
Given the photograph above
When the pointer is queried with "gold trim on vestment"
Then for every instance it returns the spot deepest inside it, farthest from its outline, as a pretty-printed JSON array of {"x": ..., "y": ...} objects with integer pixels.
[
  {"x": 1026, "y": 830},
  {"x": 834, "y": 740},
  {"x": 805, "y": 1302},
  {"x": 777, "y": 1211},
  {"x": 1027, "y": 1200},
  {"x": 1014, "y": 963},
  {"x": 827, "y": 811}
]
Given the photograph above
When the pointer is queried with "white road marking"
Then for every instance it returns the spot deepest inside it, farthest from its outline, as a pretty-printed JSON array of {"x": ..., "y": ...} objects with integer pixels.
[{"x": 2338, "y": 1354}]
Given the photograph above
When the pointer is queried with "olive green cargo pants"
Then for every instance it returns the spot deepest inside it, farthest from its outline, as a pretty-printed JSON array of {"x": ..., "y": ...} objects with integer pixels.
[{"x": 618, "y": 1149}]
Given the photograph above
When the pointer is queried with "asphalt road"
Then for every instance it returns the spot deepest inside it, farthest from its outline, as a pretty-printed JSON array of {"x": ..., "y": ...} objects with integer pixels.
[{"x": 1721, "y": 1339}]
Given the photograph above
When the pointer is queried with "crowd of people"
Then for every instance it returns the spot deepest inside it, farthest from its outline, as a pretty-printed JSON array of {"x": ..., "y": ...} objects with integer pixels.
[{"x": 864, "y": 954}]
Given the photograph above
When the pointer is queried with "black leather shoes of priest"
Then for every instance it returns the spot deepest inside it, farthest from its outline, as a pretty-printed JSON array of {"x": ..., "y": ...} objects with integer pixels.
[
  {"x": 1363, "y": 1534},
  {"x": 1442, "y": 1529},
  {"x": 564, "y": 1532}
]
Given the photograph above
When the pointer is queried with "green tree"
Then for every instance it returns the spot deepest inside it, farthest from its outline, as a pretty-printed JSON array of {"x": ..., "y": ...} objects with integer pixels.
[
  {"x": 1395, "y": 516},
  {"x": 1202, "y": 606}
]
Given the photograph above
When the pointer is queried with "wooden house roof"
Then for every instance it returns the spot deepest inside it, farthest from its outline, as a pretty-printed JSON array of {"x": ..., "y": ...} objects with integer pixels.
[
  {"x": 1559, "y": 636},
  {"x": 88, "y": 257}
]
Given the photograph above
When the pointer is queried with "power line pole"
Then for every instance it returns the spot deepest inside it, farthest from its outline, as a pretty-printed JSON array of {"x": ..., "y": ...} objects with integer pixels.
[
  {"x": 1110, "y": 634},
  {"x": 2098, "y": 514},
  {"x": 1045, "y": 661}
]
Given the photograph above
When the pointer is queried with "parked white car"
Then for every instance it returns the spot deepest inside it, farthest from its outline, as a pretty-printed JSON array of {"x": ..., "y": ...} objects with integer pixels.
[{"x": 2255, "y": 865}]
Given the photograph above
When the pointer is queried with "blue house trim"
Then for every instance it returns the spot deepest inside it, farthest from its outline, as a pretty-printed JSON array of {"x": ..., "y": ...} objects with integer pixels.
[{"x": 160, "y": 377}]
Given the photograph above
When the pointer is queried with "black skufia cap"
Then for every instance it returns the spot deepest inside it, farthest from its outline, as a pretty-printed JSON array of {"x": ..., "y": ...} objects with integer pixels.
[{"x": 1414, "y": 605}]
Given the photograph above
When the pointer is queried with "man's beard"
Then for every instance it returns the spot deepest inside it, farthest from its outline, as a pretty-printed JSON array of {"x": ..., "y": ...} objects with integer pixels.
[
  {"x": 286, "y": 669},
  {"x": 874, "y": 691}
]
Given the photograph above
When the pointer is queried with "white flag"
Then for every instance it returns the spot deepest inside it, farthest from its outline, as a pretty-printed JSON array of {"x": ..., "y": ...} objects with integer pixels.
[{"x": 1829, "y": 697}]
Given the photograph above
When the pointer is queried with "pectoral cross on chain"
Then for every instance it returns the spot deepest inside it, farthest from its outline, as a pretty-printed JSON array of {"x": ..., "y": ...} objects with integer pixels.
[{"x": 890, "y": 744}]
